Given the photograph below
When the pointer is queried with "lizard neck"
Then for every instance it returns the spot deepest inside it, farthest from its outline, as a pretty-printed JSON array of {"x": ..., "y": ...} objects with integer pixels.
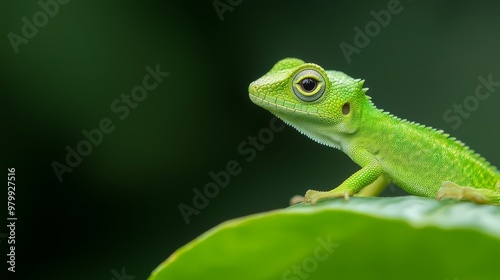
[{"x": 378, "y": 128}]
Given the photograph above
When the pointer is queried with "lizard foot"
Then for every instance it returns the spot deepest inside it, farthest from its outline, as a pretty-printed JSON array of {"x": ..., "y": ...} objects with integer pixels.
[
  {"x": 296, "y": 199},
  {"x": 313, "y": 196},
  {"x": 450, "y": 190}
]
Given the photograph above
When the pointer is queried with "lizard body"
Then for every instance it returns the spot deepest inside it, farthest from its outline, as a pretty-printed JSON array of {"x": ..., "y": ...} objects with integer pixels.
[{"x": 332, "y": 108}]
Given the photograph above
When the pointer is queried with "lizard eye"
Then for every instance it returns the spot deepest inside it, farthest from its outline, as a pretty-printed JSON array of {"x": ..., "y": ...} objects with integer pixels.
[{"x": 308, "y": 85}]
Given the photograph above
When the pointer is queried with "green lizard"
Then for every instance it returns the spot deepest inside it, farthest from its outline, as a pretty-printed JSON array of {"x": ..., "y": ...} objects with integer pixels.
[{"x": 331, "y": 108}]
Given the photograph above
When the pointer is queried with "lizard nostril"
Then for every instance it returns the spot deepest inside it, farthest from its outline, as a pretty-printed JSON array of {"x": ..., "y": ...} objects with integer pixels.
[{"x": 253, "y": 88}]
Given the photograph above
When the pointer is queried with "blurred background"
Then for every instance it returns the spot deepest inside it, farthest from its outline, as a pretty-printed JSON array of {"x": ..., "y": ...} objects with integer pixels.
[{"x": 118, "y": 210}]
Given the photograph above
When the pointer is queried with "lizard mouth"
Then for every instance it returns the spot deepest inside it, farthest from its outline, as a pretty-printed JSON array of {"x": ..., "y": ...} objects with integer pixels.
[{"x": 277, "y": 104}]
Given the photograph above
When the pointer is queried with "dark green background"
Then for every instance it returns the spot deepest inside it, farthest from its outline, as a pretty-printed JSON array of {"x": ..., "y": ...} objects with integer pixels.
[{"x": 119, "y": 207}]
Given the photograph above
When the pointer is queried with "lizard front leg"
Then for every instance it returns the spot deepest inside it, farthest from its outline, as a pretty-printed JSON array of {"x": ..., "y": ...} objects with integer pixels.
[{"x": 355, "y": 183}]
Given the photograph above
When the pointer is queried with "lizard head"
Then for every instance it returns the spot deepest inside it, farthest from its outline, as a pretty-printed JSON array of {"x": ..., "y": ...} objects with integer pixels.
[{"x": 324, "y": 105}]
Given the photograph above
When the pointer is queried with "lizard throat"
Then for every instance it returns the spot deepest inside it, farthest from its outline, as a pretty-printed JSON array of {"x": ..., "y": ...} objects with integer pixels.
[{"x": 282, "y": 109}]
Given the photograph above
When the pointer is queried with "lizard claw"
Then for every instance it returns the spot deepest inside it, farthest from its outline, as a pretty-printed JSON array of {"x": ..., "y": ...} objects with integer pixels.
[
  {"x": 312, "y": 196},
  {"x": 296, "y": 199}
]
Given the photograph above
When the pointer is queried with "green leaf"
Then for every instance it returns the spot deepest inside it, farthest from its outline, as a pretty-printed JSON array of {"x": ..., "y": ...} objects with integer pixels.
[{"x": 363, "y": 238}]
